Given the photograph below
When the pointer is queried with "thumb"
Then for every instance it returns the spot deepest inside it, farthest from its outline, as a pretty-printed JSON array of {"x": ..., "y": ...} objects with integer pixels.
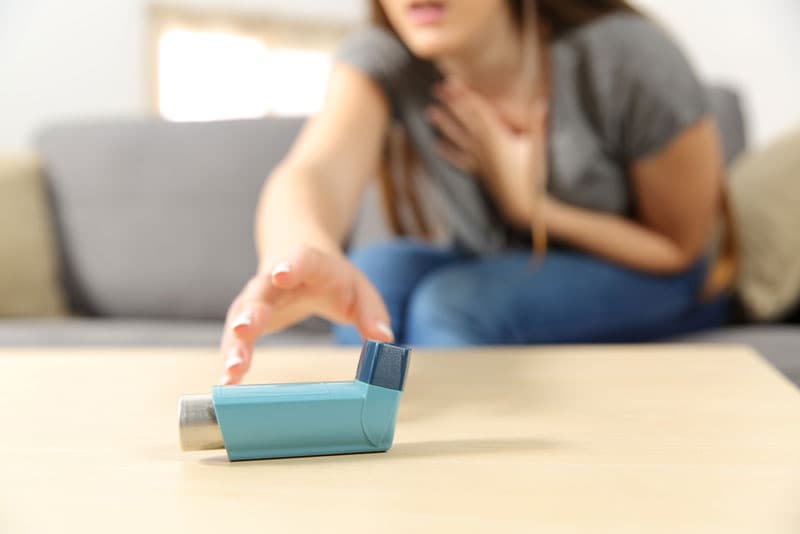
[{"x": 371, "y": 316}]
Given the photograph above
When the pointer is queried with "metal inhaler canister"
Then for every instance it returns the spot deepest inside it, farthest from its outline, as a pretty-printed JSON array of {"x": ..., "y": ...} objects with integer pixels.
[{"x": 302, "y": 419}]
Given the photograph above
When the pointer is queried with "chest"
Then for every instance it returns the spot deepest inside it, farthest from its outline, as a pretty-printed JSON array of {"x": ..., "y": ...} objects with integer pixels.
[{"x": 583, "y": 168}]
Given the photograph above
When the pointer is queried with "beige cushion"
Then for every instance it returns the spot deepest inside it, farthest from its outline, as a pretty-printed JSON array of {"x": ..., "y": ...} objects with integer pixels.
[
  {"x": 28, "y": 270},
  {"x": 765, "y": 190}
]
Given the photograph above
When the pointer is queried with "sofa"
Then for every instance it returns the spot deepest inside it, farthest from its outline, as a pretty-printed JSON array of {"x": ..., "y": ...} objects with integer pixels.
[{"x": 138, "y": 231}]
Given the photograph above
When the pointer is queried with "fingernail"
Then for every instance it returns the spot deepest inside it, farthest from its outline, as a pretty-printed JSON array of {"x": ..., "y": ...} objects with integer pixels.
[
  {"x": 282, "y": 267},
  {"x": 234, "y": 358},
  {"x": 243, "y": 319},
  {"x": 385, "y": 330},
  {"x": 224, "y": 380}
]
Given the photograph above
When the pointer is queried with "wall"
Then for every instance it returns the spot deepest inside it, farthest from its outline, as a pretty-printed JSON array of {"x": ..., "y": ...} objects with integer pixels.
[
  {"x": 61, "y": 59},
  {"x": 88, "y": 57},
  {"x": 754, "y": 46}
]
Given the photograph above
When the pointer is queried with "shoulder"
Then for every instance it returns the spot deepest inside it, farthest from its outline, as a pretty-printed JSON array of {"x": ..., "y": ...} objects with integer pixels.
[
  {"x": 371, "y": 34},
  {"x": 642, "y": 86},
  {"x": 630, "y": 43},
  {"x": 372, "y": 46},
  {"x": 382, "y": 56}
]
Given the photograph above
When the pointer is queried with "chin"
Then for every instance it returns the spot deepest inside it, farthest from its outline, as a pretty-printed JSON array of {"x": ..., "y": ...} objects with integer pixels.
[
  {"x": 432, "y": 45},
  {"x": 431, "y": 50}
]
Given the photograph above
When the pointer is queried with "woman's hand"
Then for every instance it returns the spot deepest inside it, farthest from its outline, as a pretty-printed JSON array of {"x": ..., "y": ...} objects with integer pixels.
[
  {"x": 511, "y": 161},
  {"x": 310, "y": 282}
]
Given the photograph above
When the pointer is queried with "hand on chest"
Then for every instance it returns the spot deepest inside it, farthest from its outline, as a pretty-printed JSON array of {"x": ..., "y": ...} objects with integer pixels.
[{"x": 502, "y": 143}]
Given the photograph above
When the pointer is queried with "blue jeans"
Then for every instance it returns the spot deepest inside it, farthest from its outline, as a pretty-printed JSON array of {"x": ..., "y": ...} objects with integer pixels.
[{"x": 442, "y": 297}]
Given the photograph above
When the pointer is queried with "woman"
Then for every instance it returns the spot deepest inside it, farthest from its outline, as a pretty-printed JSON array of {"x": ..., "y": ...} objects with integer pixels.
[{"x": 581, "y": 118}]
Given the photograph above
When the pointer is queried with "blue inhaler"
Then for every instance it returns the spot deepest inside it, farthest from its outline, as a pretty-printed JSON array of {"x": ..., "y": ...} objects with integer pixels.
[{"x": 303, "y": 419}]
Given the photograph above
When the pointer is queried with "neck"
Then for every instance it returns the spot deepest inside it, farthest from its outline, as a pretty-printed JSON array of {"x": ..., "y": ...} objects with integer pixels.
[{"x": 491, "y": 63}]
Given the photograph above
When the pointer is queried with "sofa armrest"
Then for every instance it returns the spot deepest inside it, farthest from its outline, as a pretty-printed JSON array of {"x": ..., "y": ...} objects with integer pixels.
[{"x": 29, "y": 284}]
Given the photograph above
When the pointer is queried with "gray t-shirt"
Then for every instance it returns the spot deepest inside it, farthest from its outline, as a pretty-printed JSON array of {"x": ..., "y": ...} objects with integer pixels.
[{"x": 621, "y": 90}]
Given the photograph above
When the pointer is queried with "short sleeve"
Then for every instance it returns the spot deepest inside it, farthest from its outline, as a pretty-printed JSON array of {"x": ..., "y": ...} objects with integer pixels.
[
  {"x": 657, "y": 93},
  {"x": 380, "y": 55}
]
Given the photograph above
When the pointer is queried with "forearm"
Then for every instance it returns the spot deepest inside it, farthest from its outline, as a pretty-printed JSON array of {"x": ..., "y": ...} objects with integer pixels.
[
  {"x": 615, "y": 238},
  {"x": 295, "y": 211}
]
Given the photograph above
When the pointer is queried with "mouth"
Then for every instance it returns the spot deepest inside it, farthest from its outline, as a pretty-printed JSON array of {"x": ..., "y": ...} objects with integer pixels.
[{"x": 426, "y": 12}]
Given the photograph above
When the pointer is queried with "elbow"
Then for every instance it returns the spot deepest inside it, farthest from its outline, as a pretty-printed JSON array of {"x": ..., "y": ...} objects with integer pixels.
[
  {"x": 280, "y": 174},
  {"x": 273, "y": 181},
  {"x": 683, "y": 259},
  {"x": 679, "y": 264}
]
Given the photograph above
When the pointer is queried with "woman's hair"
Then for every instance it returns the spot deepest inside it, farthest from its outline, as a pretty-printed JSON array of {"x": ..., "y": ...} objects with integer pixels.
[{"x": 397, "y": 184}]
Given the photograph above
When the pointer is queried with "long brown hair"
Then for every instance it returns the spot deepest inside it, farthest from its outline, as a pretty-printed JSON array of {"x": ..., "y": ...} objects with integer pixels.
[{"x": 399, "y": 167}]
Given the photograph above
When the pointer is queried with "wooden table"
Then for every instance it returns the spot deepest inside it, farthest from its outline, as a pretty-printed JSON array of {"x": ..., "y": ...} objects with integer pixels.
[{"x": 548, "y": 440}]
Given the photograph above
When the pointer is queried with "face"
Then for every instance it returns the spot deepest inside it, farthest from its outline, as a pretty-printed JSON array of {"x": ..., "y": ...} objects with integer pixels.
[{"x": 436, "y": 29}]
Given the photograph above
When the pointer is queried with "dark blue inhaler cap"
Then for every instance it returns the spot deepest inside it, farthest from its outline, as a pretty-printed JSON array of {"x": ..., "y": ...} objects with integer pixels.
[{"x": 383, "y": 364}]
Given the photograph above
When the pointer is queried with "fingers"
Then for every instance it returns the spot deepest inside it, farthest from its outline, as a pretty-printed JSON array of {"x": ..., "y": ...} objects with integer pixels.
[
  {"x": 250, "y": 315},
  {"x": 455, "y": 101},
  {"x": 469, "y": 108},
  {"x": 309, "y": 282},
  {"x": 306, "y": 266},
  {"x": 450, "y": 128},
  {"x": 339, "y": 292},
  {"x": 371, "y": 316},
  {"x": 458, "y": 146},
  {"x": 457, "y": 157},
  {"x": 237, "y": 358},
  {"x": 316, "y": 282},
  {"x": 477, "y": 119},
  {"x": 273, "y": 300},
  {"x": 246, "y": 321}
]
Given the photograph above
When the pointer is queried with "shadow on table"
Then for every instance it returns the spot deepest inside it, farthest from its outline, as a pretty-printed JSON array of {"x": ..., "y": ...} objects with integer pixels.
[
  {"x": 457, "y": 447},
  {"x": 414, "y": 450},
  {"x": 477, "y": 381}
]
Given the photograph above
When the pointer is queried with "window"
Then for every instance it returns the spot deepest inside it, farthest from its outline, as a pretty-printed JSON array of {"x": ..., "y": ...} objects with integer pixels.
[{"x": 215, "y": 67}]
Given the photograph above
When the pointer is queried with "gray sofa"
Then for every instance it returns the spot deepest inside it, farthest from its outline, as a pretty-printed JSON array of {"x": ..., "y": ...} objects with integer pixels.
[{"x": 153, "y": 225}]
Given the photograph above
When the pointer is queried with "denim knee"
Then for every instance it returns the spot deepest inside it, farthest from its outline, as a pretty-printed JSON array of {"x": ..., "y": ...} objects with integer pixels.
[
  {"x": 444, "y": 311},
  {"x": 369, "y": 261},
  {"x": 395, "y": 268}
]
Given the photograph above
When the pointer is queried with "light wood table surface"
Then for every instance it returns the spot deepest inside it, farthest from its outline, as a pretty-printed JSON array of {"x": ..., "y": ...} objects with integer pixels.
[{"x": 638, "y": 439}]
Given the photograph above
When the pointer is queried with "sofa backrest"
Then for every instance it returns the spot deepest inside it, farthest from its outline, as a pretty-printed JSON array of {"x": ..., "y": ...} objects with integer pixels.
[{"x": 155, "y": 219}]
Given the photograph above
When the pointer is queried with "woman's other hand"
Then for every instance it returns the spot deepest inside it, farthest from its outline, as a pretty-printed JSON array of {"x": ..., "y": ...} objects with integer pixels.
[
  {"x": 309, "y": 282},
  {"x": 510, "y": 159}
]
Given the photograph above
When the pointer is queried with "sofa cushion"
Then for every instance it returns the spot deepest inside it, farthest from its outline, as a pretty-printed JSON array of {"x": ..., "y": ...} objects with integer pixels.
[
  {"x": 29, "y": 283},
  {"x": 155, "y": 219},
  {"x": 765, "y": 190}
]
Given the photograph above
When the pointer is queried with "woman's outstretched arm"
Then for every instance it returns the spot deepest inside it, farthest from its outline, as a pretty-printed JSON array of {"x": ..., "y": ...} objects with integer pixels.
[
  {"x": 312, "y": 196},
  {"x": 305, "y": 210}
]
